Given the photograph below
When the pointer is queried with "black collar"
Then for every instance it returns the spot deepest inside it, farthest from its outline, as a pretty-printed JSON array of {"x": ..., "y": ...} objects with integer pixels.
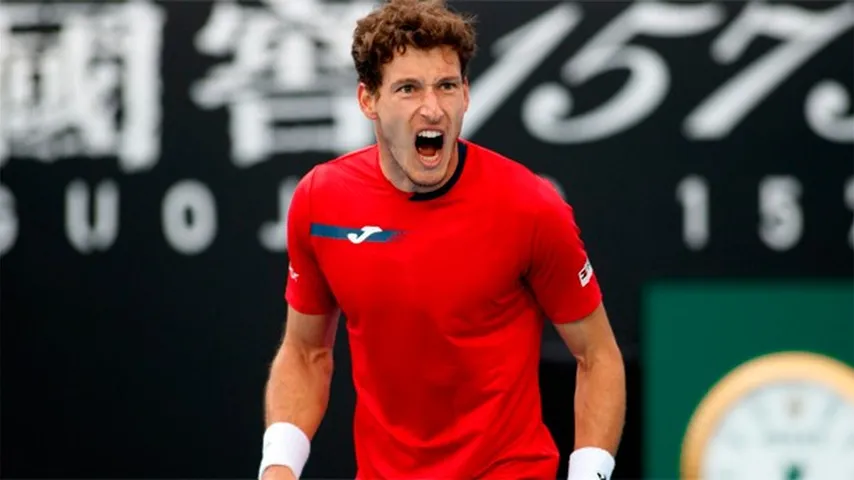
[{"x": 455, "y": 177}]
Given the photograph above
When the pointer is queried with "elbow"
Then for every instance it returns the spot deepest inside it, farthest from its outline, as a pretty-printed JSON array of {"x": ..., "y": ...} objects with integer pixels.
[
  {"x": 322, "y": 360},
  {"x": 607, "y": 356},
  {"x": 314, "y": 359}
]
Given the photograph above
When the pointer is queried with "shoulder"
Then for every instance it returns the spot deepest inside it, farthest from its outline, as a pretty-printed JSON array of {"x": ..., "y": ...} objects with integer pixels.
[
  {"x": 331, "y": 173},
  {"x": 514, "y": 184},
  {"x": 330, "y": 176}
]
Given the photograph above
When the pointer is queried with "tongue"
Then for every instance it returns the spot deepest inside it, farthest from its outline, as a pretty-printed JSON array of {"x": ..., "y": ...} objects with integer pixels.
[{"x": 427, "y": 151}]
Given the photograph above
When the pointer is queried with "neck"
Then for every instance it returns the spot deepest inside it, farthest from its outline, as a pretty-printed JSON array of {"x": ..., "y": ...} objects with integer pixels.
[{"x": 397, "y": 177}]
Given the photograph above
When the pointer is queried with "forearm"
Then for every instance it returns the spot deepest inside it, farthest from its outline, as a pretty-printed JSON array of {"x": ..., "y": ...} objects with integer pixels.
[
  {"x": 600, "y": 401},
  {"x": 298, "y": 387}
]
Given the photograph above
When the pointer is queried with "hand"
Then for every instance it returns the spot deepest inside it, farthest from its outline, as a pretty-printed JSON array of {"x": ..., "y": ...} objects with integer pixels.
[{"x": 278, "y": 472}]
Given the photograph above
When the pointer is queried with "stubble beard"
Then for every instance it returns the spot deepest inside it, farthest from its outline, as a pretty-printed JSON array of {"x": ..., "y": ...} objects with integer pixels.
[{"x": 418, "y": 186}]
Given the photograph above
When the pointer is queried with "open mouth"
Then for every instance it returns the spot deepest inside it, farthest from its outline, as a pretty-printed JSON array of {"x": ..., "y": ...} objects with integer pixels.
[{"x": 428, "y": 143}]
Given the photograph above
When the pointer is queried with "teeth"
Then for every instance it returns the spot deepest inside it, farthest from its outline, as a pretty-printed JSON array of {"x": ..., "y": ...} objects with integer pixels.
[{"x": 430, "y": 134}]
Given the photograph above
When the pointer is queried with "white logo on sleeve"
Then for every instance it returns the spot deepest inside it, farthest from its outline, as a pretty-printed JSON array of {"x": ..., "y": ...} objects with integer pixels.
[
  {"x": 366, "y": 232},
  {"x": 586, "y": 273},
  {"x": 293, "y": 273}
]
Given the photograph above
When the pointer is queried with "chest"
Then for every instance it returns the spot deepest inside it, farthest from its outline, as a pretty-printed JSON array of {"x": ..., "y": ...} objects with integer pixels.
[{"x": 438, "y": 261}]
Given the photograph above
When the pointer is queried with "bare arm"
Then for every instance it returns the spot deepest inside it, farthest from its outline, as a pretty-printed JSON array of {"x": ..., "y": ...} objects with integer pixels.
[
  {"x": 562, "y": 279},
  {"x": 600, "y": 394},
  {"x": 298, "y": 386}
]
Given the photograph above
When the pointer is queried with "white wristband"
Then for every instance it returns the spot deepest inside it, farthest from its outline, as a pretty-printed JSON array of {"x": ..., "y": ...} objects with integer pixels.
[
  {"x": 284, "y": 444},
  {"x": 590, "y": 463}
]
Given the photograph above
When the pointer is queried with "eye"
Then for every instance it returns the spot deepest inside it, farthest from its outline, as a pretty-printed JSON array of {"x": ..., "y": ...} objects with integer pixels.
[
  {"x": 448, "y": 86},
  {"x": 406, "y": 89}
]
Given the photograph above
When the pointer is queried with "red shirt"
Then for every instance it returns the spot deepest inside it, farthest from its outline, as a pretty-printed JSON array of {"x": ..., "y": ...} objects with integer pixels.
[{"x": 445, "y": 296}]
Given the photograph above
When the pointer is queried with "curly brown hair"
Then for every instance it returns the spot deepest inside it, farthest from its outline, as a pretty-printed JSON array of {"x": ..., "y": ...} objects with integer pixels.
[{"x": 422, "y": 24}]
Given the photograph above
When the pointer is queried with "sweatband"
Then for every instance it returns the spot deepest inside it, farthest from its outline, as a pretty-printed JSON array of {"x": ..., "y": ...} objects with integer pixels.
[
  {"x": 284, "y": 444},
  {"x": 590, "y": 463}
]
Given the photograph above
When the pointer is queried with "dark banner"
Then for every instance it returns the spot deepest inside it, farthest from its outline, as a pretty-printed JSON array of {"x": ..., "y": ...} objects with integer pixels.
[{"x": 149, "y": 150}]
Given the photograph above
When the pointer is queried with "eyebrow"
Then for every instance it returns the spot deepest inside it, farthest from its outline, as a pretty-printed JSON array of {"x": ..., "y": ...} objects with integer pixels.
[{"x": 405, "y": 81}]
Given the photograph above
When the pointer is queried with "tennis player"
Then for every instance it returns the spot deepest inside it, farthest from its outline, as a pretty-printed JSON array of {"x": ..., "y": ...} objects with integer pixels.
[{"x": 446, "y": 259}]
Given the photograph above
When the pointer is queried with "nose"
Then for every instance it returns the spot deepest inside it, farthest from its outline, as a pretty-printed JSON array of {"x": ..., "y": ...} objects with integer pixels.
[{"x": 430, "y": 109}]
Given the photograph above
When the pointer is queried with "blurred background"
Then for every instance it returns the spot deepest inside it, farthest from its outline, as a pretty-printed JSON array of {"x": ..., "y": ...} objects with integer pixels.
[{"x": 149, "y": 150}]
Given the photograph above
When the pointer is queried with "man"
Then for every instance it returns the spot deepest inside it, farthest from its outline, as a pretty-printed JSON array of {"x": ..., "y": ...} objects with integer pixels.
[{"x": 445, "y": 258}]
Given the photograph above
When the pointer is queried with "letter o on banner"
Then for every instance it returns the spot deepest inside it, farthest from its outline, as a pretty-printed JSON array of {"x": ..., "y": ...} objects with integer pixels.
[
  {"x": 8, "y": 220},
  {"x": 189, "y": 217}
]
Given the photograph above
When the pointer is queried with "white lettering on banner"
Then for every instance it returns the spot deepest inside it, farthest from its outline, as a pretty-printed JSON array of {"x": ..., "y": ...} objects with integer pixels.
[
  {"x": 781, "y": 219},
  {"x": 825, "y": 109},
  {"x": 803, "y": 33},
  {"x": 290, "y": 86},
  {"x": 546, "y": 106},
  {"x": 693, "y": 193},
  {"x": 189, "y": 217},
  {"x": 98, "y": 233},
  {"x": 546, "y": 109},
  {"x": 8, "y": 220},
  {"x": 81, "y": 80},
  {"x": 518, "y": 54},
  {"x": 781, "y": 216},
  {"x": 273, "y": 235},
  {"x": 849, "y": 201}
]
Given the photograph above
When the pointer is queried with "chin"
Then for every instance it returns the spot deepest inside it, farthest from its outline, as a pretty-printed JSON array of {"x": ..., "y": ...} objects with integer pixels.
[
  {"x": 431, "y": 178},
  {"x": 427, "y": 181}
]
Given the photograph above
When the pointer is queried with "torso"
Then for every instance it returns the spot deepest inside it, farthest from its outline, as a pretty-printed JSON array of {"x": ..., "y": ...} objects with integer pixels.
[{"x": 444, "y": 335}]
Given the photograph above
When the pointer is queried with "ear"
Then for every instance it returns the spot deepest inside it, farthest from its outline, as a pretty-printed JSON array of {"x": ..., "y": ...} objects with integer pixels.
[
  {"x": 465, "y": 94},
  {"x": 367, "y": 102}
]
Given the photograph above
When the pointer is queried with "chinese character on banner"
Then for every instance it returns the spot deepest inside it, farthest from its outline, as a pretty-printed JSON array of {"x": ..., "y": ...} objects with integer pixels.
[
  {"x": 289, "y": 82},
  {"x": 81, "y": 80}
]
